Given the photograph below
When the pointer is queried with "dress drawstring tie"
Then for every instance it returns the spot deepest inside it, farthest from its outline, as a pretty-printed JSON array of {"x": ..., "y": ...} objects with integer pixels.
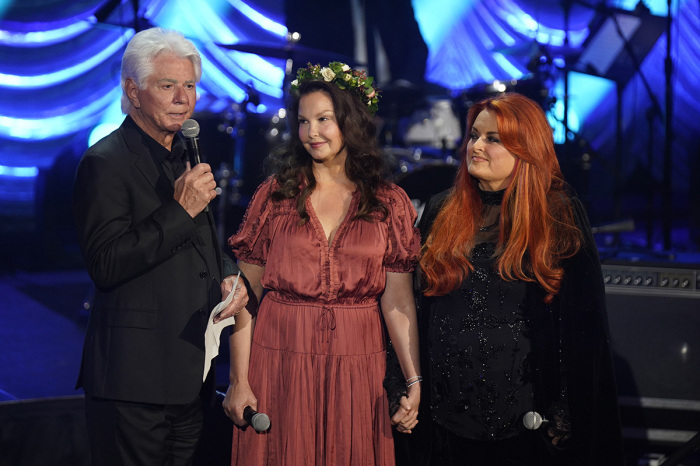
[{"x": 326, "y": 322}]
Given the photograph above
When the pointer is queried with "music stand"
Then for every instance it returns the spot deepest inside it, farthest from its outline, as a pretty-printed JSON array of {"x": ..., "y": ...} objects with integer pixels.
[{"x": 616, "y": 45}]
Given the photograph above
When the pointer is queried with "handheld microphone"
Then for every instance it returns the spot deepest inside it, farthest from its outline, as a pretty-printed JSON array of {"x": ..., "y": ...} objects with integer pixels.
[
  {"x": 259, "y": 421},
  {"x": 190, "y": 129},
  {"x": 533, "y": 420}
]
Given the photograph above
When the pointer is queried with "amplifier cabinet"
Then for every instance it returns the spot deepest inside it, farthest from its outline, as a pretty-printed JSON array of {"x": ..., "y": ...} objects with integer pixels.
[{"x": 654, "y": 319}]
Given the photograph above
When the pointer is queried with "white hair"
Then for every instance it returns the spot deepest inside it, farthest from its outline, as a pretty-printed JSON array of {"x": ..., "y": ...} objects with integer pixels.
[{"x": 144, "y": 47}]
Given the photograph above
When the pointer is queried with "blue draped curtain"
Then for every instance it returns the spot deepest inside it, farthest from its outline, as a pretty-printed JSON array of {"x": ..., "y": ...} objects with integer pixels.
[{"x": 59, "y": 81}]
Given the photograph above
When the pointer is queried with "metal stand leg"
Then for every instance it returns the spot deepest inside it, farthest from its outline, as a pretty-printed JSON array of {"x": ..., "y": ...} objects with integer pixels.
[{"x": 689, "y": 447}]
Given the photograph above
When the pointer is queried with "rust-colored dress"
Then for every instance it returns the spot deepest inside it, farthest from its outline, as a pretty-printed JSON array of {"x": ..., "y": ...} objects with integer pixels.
[{"x": 318, "y": 356}]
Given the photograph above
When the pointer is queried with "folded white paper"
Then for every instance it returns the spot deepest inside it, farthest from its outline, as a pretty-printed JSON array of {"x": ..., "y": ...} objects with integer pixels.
[{"x": 212, "y": 335}]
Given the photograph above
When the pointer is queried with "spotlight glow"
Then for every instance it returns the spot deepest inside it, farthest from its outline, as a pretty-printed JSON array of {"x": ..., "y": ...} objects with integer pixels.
[
  {"x": 19, "y": 172},
  {"x": 66, "y": 74},
  {"x": 42, "y": 38},
  {"x": 258, "y": 18},
  {"x": 56, "y": 126}
]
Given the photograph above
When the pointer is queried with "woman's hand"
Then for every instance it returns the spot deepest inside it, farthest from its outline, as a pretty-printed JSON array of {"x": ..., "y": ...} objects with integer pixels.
[
  {"x": 560, "y": 428},
  {"x": 557, "y": 438},
  {"x": 235, "y": 401},
  {"x": 406, "y": 417},
  {"x": 239, "y": 301}
]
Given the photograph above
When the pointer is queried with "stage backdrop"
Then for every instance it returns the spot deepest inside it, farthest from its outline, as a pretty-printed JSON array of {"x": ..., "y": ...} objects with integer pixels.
[{"x": 59, "y": 89}]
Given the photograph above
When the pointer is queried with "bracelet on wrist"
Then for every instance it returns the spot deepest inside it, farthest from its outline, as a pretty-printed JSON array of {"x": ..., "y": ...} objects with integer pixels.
[{"x": 413, "y": 380}]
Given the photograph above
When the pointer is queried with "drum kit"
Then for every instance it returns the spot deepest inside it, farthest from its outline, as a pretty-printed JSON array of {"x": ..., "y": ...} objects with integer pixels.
[
  {"x": 426, "y": 163},
  {"x": 419, "y": 145},
  {"x": 420, "y": 135},
  {"x": 421, "y": 173}
]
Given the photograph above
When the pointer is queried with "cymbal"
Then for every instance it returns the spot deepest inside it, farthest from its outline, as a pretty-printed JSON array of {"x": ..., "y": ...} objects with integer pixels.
[
  {"x": 533, "y": 48},
  {"x": 288, "y": 50}
]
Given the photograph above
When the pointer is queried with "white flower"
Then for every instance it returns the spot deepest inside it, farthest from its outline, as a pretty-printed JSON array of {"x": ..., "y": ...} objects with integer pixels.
[
  {"x": 347, "y": 76},
  {"x": 295, "y": 83},
  {"x": 327, "y": 74},
  {"x": 346, "y": 67}
]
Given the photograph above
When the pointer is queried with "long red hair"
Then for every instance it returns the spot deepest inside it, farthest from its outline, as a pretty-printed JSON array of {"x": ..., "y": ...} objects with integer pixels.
[{"x": 537, "y": 227}]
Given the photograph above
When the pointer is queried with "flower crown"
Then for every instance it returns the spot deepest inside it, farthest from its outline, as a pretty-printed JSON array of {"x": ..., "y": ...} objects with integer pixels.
[{"x": 342, "y": 76}]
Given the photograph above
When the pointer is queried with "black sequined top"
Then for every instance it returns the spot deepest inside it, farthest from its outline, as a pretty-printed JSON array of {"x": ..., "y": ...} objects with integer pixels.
[{"x": 481, "y": 383}]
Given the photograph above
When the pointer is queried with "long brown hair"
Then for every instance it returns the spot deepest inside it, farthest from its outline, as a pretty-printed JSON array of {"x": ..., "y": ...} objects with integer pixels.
[
  {"x": 364, "y": 164},
  {"x": 537, "y": 227}
]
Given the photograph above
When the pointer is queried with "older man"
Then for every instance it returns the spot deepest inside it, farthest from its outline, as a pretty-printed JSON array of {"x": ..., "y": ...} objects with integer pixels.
[{"x": 151, "y": 250}]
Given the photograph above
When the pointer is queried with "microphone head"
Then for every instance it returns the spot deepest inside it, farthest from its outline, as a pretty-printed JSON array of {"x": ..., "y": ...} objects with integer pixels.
[
  {"x": 532, "y": 420},
  {"x": 260, "y": 422},
  {"x": 190, "y": 128}
]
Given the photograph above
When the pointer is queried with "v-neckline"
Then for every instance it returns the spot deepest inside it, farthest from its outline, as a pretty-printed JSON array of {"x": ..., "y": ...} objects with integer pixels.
[{"x": 331, "y": 237}]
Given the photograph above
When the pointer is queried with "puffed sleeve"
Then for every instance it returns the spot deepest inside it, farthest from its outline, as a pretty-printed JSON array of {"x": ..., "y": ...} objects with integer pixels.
[
  {"x": 404, "y": 238},
  {"x": 250, "y": 243}
]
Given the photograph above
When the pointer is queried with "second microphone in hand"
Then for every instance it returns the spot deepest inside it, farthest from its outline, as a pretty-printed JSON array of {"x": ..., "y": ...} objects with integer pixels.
[
  {"x": 190, "y": 130},
  {"x": 259, "y": 421},
  {"x": 533, "y": 420}
]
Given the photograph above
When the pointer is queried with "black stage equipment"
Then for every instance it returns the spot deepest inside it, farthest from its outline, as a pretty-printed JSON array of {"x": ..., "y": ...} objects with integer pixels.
[
  {"x": 615, "y": 48},
  {"x": 654, "y": 318}
]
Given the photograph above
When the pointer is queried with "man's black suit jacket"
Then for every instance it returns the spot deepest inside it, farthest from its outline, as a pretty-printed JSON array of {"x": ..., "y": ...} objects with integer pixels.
[{"x": 155, "y": 280}]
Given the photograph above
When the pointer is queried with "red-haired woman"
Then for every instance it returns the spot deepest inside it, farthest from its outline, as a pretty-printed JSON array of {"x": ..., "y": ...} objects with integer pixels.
[{"x": 513, "y": 307}]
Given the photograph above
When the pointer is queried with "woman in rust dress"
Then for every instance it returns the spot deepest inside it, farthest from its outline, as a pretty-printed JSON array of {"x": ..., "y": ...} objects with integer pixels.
[{"x": 331, "y": 245}]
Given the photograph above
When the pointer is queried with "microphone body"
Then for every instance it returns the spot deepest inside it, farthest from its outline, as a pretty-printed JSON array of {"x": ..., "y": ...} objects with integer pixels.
[
  {"x": 193, "y": 150},
  {"x": 190, "y": 129},
  {"x": 258, "y": 421}
]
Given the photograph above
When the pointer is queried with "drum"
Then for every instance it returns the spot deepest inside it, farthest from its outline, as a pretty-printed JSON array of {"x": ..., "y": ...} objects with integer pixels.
[
  {"x": 426, "y": 178},
  {"x": 401, "y": 159}
]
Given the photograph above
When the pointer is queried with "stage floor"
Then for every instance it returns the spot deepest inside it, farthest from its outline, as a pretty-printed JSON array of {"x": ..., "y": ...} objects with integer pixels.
[
  {"x": 42, "y": 325},
  {"x": 41, "y": 333}
]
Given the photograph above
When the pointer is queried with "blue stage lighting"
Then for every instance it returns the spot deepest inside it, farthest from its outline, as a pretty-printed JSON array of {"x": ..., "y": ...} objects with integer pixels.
[
  {"x": 56, "y": 126},
  {"x": 66, "y": 74},
  {"x": 43, "y": 38},
  {"x": 258, "y": 18},
  {"x": 19, "y": 172}
]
